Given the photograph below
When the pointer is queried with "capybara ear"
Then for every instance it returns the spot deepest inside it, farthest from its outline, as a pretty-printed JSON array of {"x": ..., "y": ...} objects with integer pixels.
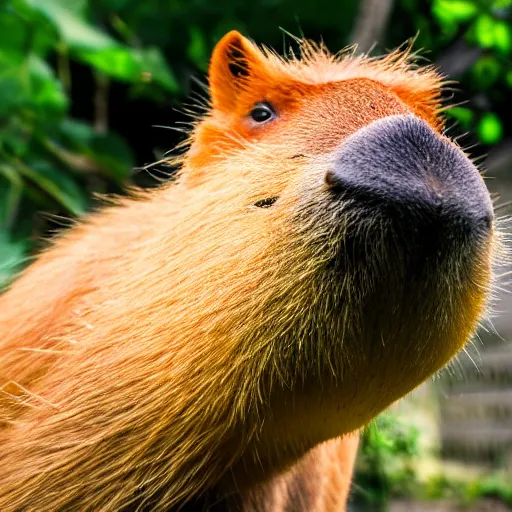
[{"x": 235, "y": 61}]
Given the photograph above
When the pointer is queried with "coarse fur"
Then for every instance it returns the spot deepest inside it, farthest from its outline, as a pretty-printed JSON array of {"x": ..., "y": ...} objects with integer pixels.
[
  {"x": 186, "y": 340},
  {"x": 319, "y": 482}
]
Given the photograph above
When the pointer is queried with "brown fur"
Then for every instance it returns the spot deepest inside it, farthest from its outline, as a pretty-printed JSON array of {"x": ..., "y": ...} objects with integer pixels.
[
  {"x": 184, "y": 340},
  {"x": 319, "y": 482}
]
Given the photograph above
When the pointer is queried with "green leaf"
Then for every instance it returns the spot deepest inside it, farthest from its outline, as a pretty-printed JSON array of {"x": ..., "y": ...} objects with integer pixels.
[
  {"x": 24, "y": 30},
  {"x": 76, "y": 7},
  {"x": 14, "y": 136},
  {"x": 486, "y": 71},
  {"x": 14, "y": 36},
  {"x": 132, "y": 65},
  {"x": 448, "y": 11},
  {"x": 508, "y": 78},
  {"x": 501, "y": 4},
  {"x": 74, "y": 29},
  {"x": 78, "y": 134},
  {"x": 114, "y": 5},
  {"x": 125, "y": 32},
  {"x": 11, "y": 92},
  {"x": 11, "y": 188},
  {"x": 490, "y": 129},
  {"x": 114, "y": 155},
  {"x": 109, "y": 151},
  {"x": 197, "y": 50},
  {"x": 502, "y": 36},
  {"x": 484, "y": 30},
  {"x": 30, "y": 84},
  {"x": 56, "y": 184},
  {"x": 47, "y": 92},
  {"x": 462, "y": 114},
  {"x": 153, "y": 67},
  {"x": 13, "y": 256},
  {"x": 116, "y": 62}
]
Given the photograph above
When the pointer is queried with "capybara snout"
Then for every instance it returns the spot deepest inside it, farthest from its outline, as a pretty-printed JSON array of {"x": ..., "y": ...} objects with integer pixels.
[
  {"x": 413, "y": 181},
  {"x": 400, "y": 162}
]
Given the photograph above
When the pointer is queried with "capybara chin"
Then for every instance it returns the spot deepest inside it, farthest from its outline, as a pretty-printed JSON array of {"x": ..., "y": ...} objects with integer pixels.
[{"x": 323, "y": 250}]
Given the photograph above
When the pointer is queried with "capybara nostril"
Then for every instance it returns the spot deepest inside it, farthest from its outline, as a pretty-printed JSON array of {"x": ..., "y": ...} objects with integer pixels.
[{"x": 401, "y": 164}]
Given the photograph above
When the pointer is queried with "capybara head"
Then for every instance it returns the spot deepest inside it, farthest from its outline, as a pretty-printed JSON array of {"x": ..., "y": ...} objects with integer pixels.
[
  {"x": 369, "y": 230},
  {"x": 324, "y": 248}
]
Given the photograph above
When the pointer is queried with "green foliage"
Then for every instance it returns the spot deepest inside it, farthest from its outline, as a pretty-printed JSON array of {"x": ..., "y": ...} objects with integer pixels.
[
  {"x": 11, "y": 257},
  {"x": 385, "y": 466},
  {"x": 463, "y": 115},
  {"x": 490, "y": 487},
  {"x": 49, "y": 158},
  {"x": 450, "y": 12},
  {"x": 490, "y": 128},
  {"x": 385, "y": 469},
  {"x": 440, "y": 487},
  {"x": 486, "y": 71},
  {"x": 486, "y": 24},
  {"x": 468, "y": 492}
]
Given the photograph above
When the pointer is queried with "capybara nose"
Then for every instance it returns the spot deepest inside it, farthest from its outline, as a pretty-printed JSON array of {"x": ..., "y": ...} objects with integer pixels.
[{"x": 400, "y": 165}]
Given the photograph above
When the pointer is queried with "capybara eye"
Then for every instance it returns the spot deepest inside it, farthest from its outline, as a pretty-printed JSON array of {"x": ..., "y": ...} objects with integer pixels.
[
  {"x": 265, "y": 203},
  {"x": 262, "y": 113}
]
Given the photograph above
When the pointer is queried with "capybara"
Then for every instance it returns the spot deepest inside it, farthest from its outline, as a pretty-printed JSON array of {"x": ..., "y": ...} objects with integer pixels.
[{"x": 323, "y": 249}]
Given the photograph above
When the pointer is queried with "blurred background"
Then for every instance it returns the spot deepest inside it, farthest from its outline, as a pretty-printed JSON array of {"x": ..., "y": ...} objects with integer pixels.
[{"x": 92, "y": 90}]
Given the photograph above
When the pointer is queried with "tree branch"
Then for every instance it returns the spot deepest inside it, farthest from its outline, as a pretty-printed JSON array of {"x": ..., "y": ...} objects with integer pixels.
[{"x": 371, "y": 23}]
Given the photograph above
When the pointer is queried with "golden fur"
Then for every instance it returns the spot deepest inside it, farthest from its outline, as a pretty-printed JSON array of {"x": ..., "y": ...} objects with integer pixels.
[{"x": 184, "y": 339}]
